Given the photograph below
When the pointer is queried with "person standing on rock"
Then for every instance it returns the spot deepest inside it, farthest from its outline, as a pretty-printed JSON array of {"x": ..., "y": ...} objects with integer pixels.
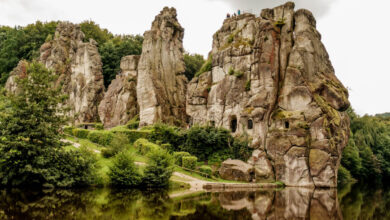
[
  {"x": 228, "y": 15},
  {"x": 239, "y": 12}
]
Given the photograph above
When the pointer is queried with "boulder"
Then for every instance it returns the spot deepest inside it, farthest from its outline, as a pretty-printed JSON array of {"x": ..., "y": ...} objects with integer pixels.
[{"x": 236, "y": 170}]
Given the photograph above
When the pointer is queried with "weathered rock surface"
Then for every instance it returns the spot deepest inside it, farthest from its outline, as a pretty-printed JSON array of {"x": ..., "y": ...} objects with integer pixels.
[
  {"x": 272, "y": 78},
  {"x": 19, "y": 71},
  {"x": 161, "y": 84},
  {"x": 79, "y": 67},
  {"x": 236, "y": 170},
  {"x": 119, "y": 104}
]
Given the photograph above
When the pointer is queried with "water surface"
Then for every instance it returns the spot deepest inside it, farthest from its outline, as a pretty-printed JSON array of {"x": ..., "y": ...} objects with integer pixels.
[{"x": 351, "y": 202}]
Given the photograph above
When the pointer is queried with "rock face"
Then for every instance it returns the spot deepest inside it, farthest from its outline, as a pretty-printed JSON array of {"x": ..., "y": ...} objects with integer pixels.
[
  {"x": 19, "y": 71},
  {"x": 119, "y": 104},
  {"x": 79, "y": 67},
  {"x": 161, "y": 85},
  {"x": 272, "y": 79},
  {"x": 236, "y": 170}
]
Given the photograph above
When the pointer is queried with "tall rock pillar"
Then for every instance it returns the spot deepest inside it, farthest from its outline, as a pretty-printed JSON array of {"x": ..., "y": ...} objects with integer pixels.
[{"x": 161, "y": 84}]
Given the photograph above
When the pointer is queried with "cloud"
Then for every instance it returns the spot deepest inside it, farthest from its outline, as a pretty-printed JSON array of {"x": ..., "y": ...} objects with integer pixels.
[{"x": 318, "y": 7}]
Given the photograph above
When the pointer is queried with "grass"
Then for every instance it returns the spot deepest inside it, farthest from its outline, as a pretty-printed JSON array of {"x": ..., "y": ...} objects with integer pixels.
[{"x": 86, "y": 143}]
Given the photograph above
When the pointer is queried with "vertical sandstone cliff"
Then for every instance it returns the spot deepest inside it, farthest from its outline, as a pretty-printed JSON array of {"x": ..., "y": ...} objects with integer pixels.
[
  {"x": 119, "y": 104},
  {"x": 272, "y": 79},
  {"x": 79, "y": 67},
  {"x": 161, "y": 84}
]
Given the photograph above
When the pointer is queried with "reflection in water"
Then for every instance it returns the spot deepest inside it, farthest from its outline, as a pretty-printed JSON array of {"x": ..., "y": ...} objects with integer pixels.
[{"x": 290, "y": 203}]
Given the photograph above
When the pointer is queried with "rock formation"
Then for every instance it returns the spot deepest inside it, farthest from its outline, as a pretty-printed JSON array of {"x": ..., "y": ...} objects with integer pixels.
[
  {"x": 272, "y": 79},
  {"x": 79, "y": 67},
  {"x": 119, "y": 104},
  {"x": 19, "y": 71},
  {"x": 161, "y": 84}
]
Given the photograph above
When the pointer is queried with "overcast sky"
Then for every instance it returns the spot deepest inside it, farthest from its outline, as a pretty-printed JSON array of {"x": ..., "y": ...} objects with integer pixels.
[{"x": 355, "y": 32}]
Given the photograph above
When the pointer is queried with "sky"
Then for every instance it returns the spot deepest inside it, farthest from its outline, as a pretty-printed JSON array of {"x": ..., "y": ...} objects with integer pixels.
[{"x": 355, "y": 32}]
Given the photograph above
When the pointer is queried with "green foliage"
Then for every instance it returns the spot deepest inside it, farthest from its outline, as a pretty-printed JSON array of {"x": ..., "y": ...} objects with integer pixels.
[
  {"x": 118, "y": 144},
  {"x": 123, "y": 172},
  {"x": 68, "y": 130},
  {"x": 203, "y": 141},
  {"x": 206, "y": 169},
  {"x": 114, "y": 49},
  {"x": 344, "y": 176},
  {"x": 189, "y": 162},
  {"x": 159, "y": 169},
  {"x": 31, "y": 153},
  {"x": 103, "y": 138},
  {"x": 166, "y": 134},
  {"x": 143, "y": 146},
  {"x": 231, "y": 38},
  {"x": 236, "y": 73},
  {"x": 92, "y": 30},
  {"x": 21, "y": 43},
  {"x": 133, "y": 123},
  {"x": 207, "y": 66},
  {"x": 99, "y": 126},
  {"x": 231, "y": 71},
  {"x": 367, "y": 155},
  {"x": 178, "y": 157},
  {"x": 193, "y": 63},
  {"x": 248, "y": 85},
  {"x": 80, "y": 133}
]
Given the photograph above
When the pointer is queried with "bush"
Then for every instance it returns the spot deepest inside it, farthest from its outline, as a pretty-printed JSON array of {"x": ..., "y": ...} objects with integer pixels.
[
  {"x": 132, "y": 135},
  {"x": 202, "y": 142},
  {"x": 123, "y": 172},
  {"x": 99, "y": 126},
  {"x": 207, "y": 66},
  {"x": 207, "y": 170},
  {"x": 178, "y": 156},
  {"x": 101, "y": 137},
  {"x": 344, "y": 176},
  {"x": 166, "y": 134},
  {"x": 133, "y": 123},
  {"x": 189, "y": 162},
  {"x": 118, "y": 144},
  {"x": 143, "y": 146},
  {"x": 220, "y": 156},
  {"x": 68, "y": 130},
  {"x": 80, "y": 133},
  {"x": 159, "y": 169},
  {"x": 248, "y": 85}
]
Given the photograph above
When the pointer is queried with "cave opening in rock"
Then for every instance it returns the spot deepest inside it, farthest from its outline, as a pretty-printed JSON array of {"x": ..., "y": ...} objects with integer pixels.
[
  {"x": 233, "y": 123},
  {"x": 286, "y": 124},
  {"x": 250, "y": 124}
]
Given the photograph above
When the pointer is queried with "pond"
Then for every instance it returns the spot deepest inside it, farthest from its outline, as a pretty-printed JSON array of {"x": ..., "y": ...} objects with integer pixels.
[{"x": 351, "y": 202}]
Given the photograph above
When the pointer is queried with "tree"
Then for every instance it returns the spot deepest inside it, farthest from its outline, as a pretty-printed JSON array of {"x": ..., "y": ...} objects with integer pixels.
[
  {"x": 123, "y": 172},
  {"x": 31, "y": 153},
  {"x": 159, "y": 169},
  {"x": 193, "y": 63}
]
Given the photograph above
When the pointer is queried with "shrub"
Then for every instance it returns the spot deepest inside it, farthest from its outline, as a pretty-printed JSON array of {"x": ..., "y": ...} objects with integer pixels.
[
  {"x": 68, "y": 130},
  {"x": 231, "y": 71},
  {"x": 133, "y": 135},
  {"x": 238, "y": 74},
  {"x": 189, "y": 162},
  {"x": 178, "y": 156},
  {"x": 99, "y": 126},
  {"x": 207, "y": 66},
  {"x": 207, "y": 170},
  {"x": 118, "y": 144},
  {"x": 101, "y": 137},
  {"x": 202, "y": 141},
  {"x": 133, "y": 123},
  {"x": 143, "y": 146},
  {"x": 240, "y": 148},
  {"x": 220, "y": 156},
  {"x": 159, "y": 169},
  {"x": 166, "y": 134},
  {"x": 344, "y": 176},
  {"x": 123, "y": 172},
  {"x": 80, "y": 133}
]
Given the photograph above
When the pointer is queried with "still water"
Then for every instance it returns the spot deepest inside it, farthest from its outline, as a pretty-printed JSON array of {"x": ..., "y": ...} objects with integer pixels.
[{"x": 351, "y": 202}]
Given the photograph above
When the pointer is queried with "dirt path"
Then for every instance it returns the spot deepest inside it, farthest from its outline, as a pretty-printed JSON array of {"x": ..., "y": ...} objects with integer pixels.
[
  {"x": 196, "y": 184},
  {"x": 77, "y": 145}
]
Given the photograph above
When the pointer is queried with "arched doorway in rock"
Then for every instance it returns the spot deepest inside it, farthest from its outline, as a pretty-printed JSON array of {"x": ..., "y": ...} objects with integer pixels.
[
  {"x": 233, "y": 123},
  {"x": 286, "y": 124}
]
